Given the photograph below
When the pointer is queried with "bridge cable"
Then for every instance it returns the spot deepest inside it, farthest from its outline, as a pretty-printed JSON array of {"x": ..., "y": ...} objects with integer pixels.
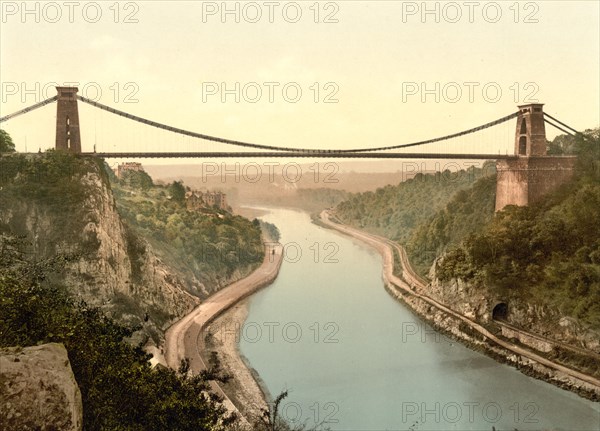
[
  {"x": 558, "y": 127},
  {"x": 582, "y": 135},
  {"x": 277, "y": 148},
  {"x": 28, "y": 109},
  {"x": 443, "y": 138},
  {"x": 562, "y": 124},
  {"x": 185, "y": 132}
]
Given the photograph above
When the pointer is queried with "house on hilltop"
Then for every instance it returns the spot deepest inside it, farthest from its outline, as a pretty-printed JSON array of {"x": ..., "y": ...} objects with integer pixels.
[
  {"x": 196, "y": 200},
  {"x": 128, "y": 166}
]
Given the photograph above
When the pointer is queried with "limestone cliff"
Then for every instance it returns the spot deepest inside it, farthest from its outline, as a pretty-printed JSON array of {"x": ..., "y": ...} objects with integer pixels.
[
  {"x": 75, "y": 212},
  {"x": 38, "y": 390},
  {"x": 478, "y": 303}
]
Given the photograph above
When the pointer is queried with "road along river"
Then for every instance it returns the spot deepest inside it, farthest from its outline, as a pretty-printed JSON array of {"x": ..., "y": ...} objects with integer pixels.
[{"x": 355, "y": 359}]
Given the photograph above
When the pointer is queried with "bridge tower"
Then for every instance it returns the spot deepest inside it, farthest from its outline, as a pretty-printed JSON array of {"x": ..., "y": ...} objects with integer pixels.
[
  {"x": 532, "y": 174},
  {"x": 67, "y": 120},
  {"x": 530, "y": 138}
]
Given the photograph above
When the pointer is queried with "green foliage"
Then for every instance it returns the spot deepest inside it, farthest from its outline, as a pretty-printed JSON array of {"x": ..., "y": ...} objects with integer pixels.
[
  {"x": 269, "y": 228},
  {"x": 395, "y": 211},
  {"x": 211, "y": 245},
  {"x": 467, "y": 212},
  {"x": 561, "y": 145},
  {"x": 177, "y": 191},
  {"x": 119, "y": 389},
  {"x": 272, "y": 421},
  {"x": 549, "y": 252},
  {"x": 54, "y": 184},
  {"x": 139, "y": 180},
  {"x": 6, "y": 143},
  {"x": 40, "y": 175}
]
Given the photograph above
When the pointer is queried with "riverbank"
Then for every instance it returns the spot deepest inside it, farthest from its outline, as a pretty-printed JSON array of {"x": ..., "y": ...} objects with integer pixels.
[
  {"x": 185, "y": 338},
  {"x": 244, "y": 389},
  {"x": 462, "y": 328}
]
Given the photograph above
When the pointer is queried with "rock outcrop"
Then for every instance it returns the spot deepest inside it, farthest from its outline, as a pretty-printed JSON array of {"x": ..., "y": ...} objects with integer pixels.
[
  {"x": 38, "y": 390},
  {"x": 478, "y": 303},
  {"x": 117, "y": 270}
]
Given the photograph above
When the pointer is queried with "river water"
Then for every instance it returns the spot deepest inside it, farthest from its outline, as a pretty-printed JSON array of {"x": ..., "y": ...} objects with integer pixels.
[{"x": 353, "y": 358}]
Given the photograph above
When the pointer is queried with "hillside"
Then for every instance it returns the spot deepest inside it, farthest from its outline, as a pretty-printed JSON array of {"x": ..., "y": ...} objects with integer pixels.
[
  {"x": 468, "y": 212},
  {"x": 119, "y": 390},
  {"x": 211, "y": 248},
  {"x": 64, "y": 205},
  {"x": 546, "y": 254},
  {"x": 395, "y": 211},
  {"x": 74, "y": 271}
]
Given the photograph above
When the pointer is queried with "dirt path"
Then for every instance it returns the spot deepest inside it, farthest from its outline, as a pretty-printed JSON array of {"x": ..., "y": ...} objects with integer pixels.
[
  {"x": 383, "y": 245},
  {"x": 183, "y": 338}
]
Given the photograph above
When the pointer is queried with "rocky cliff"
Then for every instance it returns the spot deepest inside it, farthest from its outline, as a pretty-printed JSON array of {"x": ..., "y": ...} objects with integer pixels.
[
  {"x": 478, "y": 303},
  {"x": 38, "y": 390},
  {"x": 73, "y": 211}
]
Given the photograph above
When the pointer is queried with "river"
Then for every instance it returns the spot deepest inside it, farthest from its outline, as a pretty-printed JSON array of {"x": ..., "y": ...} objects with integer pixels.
[{"x": 353, "y": 358}]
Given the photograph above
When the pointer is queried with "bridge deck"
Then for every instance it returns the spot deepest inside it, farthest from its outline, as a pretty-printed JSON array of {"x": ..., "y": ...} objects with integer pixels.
[{"x": 316, "y": 154}]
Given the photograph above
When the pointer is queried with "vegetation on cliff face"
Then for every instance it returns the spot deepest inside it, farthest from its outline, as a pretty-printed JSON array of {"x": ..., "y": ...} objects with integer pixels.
[
  {"x": 62, "y": 203},
  {"x": 50, "y": 184},
  {"x": 467, "y": 212},
  {"x": 119, "y": 389},
  {"x": 54, "y": 195},
  {"x": 396, "y": 211},
  {"x": 6, "y": 143},
  {"x": 549, "y": 252},
  {"x": 212, "y": 246}
]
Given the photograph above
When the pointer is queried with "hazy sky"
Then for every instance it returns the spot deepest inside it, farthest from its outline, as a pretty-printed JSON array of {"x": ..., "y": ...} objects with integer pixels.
[{"x": 373, "y": 64}]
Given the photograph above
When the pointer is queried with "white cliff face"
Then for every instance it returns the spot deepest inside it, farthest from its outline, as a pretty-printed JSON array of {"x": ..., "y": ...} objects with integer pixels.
[
  {"x": 116, "y": 270},
  {"x": 38, "y": 390}
]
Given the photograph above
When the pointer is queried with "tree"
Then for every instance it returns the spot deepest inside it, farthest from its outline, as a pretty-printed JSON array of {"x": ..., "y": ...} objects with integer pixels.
[
  {"x": 119, "y": 389},
  {"x": 6, "y": 143},
  {"x": 177, "y": 191},
  {"x": 137, "y": 179}
]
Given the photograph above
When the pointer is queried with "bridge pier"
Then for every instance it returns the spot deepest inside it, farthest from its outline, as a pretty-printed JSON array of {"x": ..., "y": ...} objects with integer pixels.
[
  {"x": 532, "y": 174},
  {"x": 68, "y": 136}
]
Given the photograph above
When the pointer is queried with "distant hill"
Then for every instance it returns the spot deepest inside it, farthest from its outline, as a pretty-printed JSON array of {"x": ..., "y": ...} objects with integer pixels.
[
  {"x": 256, "y": 184},
  {"x": 395, "y": 211}
]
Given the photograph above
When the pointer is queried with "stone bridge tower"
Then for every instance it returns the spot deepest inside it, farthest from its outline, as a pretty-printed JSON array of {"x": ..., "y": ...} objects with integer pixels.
[
  {"x": 67, "y": 120},
  {"x": 532, "y": 173}
]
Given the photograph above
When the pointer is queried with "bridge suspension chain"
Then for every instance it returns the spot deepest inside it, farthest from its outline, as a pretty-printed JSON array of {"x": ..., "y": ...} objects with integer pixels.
[
  {"x": 443, "y": 138},
  {"x": 28, "y": 109},
  {"x": 185, "y": 132},
  {"x": 558, "y": 127},
  {"x": 575, "y": 132},
  {"x": 287, "y": 149}
]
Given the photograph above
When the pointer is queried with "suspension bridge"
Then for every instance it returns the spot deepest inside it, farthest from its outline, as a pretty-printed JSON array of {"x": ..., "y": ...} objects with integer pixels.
[
  {"x": 68, "y": 137},
  {"x": 523, "y": 176}
]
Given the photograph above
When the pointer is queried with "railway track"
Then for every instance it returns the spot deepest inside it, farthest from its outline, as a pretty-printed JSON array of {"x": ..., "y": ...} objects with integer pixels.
[{"x": 386, "y": 248}]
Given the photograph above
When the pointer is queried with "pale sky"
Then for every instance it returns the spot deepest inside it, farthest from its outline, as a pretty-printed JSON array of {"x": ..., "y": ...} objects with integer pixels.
[{"x": 375, "y": 59}]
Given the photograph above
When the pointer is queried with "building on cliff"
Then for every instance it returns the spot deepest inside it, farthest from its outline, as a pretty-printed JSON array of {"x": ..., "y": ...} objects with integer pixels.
[
  {"x": 128, "y": 166},
  {"x": 196, "y": 200}
]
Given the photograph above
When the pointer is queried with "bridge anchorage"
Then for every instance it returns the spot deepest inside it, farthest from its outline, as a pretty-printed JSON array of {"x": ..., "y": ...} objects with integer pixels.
[{"x": 522, "y": 178}]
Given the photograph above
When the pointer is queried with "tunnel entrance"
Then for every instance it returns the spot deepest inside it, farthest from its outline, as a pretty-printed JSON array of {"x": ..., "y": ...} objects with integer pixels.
[{"x": 500, "y": 311}]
